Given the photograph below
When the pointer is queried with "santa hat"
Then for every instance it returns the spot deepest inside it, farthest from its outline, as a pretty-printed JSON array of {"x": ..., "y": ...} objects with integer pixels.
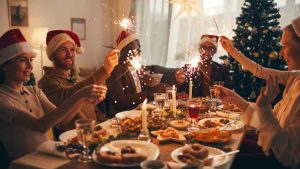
[
  {"x": 296, "y": 26},
  {"x": 213, "y": 39},
  {"x": 12, "y": 44},
  {"x": 124, "y": 39},
  {"x": 57, "y": 37}
]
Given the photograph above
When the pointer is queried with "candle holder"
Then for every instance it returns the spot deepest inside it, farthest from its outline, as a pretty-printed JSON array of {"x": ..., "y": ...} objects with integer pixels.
[{"x": 144, "y": 136}]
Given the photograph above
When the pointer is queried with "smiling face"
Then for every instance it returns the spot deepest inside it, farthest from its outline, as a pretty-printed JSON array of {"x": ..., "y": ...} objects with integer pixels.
[
  {"x": 290, "y": 49},
  {"x": 207, "y": 51},
  {"x": 18, "y": 69},
  {"x": 64, "y": 56}
]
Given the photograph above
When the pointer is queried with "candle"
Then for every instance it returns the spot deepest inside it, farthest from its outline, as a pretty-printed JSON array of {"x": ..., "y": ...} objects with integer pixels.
[
  {"x": 144, "y": 116},
  {"x": 174, "y": 101},
  {"x": 190, "y": 89}
]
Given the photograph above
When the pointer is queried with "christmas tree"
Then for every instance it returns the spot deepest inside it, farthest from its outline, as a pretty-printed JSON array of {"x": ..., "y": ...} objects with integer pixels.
[{"x": 257, "y": 36}]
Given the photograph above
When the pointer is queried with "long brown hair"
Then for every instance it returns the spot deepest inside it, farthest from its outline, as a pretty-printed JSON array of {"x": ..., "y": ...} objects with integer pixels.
[{"x": 292, "y": 30}]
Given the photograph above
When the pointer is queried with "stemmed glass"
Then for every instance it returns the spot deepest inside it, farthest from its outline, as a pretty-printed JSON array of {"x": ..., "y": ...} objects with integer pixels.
[
  {"x": 214, "y": 100},
  {"x": 160, "y": 100},
  {"x": 85, "y": 129},
  {"x": 194, "y": 110}
]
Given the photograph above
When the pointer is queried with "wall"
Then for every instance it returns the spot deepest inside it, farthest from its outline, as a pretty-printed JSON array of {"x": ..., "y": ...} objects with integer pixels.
[{"x": 56, "y": 14}]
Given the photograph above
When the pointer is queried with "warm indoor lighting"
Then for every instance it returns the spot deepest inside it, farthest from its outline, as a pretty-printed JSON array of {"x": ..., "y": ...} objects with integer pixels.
[{"x": 39, "y": 40}]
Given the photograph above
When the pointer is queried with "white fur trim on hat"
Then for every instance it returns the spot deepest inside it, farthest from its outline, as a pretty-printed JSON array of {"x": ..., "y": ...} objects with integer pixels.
[
  {"x": 14, "y": 50},
  {"x": 210, "y": 40},
  {"x": 55, "y": 42},
  {"x": 79, "y": 50},
  {"x": 126, "y": 41},
  {"x": 296, "y": 26}
]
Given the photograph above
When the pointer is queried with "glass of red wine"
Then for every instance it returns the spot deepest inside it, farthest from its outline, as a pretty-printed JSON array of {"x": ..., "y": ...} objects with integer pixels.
[{"x": 194, "y": 110}]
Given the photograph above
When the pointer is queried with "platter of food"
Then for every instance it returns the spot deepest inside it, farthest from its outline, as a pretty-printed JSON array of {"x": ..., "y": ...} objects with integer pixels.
[
  {"x": 169, "y": 134},
  {"x": 70, "y": 137},
  {"x": 125, "y": 153},
  {"x": 212, "y": 136},
  {"x": 197, "y": 153},
  {"x": 221, "y": 123}
]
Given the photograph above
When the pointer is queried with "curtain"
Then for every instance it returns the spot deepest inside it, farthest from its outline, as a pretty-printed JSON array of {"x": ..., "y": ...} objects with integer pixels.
[{"x": 168, "y": 40}]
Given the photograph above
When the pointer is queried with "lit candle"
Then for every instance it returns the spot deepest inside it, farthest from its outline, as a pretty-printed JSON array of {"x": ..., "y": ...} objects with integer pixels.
[
  {"x": 144, "y": 116},
  {"x": 190, "y": 89},
  {"x": 174, "y": 101}
]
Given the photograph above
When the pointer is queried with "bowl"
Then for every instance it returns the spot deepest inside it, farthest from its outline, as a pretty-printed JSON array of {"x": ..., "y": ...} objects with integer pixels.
[{"x": 153, "y": 164}]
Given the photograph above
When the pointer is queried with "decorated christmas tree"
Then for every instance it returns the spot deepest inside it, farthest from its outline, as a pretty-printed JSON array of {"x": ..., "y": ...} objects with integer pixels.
[{"x": 257, "y": 36}]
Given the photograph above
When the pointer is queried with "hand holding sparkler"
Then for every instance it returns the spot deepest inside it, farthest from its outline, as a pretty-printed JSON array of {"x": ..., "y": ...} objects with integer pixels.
[
  {"x": 111, "y": 60},
  {"x": 180, "y": 76},
  {"x": 227, "y": 44}
]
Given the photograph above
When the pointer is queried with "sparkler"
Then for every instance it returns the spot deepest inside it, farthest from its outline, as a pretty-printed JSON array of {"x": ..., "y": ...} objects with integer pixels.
[
  {"x": 134, "y": 60},
  {"x": 193, "y": 68}
]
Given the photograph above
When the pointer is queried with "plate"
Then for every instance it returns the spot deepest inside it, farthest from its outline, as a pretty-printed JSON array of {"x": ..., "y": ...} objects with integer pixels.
[
  {"x": 68, "y": 135},
  {"x": 217, "y": 161},
  {"x": 129, "y": 114},
  {"x": 233, "y": 125},
  {"x": 167, "y": 132},
  {"x": 150, "y": 150},
  {"x": 212, "y": 136}
]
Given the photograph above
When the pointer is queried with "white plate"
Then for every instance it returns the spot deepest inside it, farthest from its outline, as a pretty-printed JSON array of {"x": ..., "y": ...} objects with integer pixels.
[
  {"x": 65, "y": 136},
  {"x": 68, "y": 135},
  {"x": 150, "y": 150},
  {"x": 129, "y": 114},
  {"x": 234, "y": 125},
  {"x": 217, "y": 161}
]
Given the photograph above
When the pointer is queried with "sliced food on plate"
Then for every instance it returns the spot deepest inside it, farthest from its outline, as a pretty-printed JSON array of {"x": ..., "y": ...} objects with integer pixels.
[{"x": 212, "y": 136}]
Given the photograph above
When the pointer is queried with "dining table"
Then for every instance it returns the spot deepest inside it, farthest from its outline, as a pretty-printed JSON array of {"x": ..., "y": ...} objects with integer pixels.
[{"x": 39, "y": 160}]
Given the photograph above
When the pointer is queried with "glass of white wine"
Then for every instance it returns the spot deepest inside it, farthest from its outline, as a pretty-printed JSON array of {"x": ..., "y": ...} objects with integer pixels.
[{"x": 85, "y": 129}]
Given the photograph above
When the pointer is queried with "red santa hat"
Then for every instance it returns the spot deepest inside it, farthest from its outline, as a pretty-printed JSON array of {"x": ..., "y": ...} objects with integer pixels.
[
  {"x": 57, "y": 37},
  {"x": 296, "y": 26},
  {"x": 212, "y": 39},
  {"x": 124, "y": 39},
  {"x": 12, "y": 44}
]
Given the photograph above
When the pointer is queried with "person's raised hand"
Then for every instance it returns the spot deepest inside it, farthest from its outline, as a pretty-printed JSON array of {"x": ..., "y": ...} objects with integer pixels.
[
  {"x": 111, "y": 60},
  {"x": 179, "y": 75},
  {"x": 226, "y": 44},
  {"x": 93, "y": 93},
  {"x": 269, "y": 93},
  {"x": 226, "y": 95}
]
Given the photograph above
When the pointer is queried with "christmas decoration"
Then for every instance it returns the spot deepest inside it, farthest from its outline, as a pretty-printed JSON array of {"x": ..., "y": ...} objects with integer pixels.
[
  {"x": 257, "y": 36},
  {"x": 187, "y": 6},
  {"x": 273, "y": 55}
]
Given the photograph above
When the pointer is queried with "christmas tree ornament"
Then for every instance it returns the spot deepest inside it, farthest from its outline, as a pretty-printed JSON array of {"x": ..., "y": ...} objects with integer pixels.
[
  {"x": 255, "y": 54},
  {"x": 226, "y": 62},
  {"x": 254, "y": 30},
  {"x": 273, "y": 55},
  {"x": 265, "y": 31}
]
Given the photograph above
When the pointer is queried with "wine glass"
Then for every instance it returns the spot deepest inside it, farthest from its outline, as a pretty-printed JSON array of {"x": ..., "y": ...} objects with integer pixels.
[
  {"x": 194, "y": 110},
  {"x": 85, "y": 129},
  {"x": 213, "y": 106},
  {"x": 160, "y": 100}
]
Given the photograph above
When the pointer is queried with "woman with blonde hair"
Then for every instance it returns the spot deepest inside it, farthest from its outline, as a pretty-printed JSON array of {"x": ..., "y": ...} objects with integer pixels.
[{"x": 279, "y": 127}]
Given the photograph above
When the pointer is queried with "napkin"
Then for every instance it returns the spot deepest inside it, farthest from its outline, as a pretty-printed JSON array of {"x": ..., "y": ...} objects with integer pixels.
[
  {"x": 230, "y": 115},
  {"x": 49, "y": 147}
]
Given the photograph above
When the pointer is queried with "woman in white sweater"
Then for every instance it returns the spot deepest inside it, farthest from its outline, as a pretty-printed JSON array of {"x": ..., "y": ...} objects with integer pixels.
[{"x": 279, "y": 127}]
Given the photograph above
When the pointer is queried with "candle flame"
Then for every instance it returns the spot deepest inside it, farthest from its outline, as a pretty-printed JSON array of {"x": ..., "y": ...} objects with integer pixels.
[{"x": 144, "y": 103}]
